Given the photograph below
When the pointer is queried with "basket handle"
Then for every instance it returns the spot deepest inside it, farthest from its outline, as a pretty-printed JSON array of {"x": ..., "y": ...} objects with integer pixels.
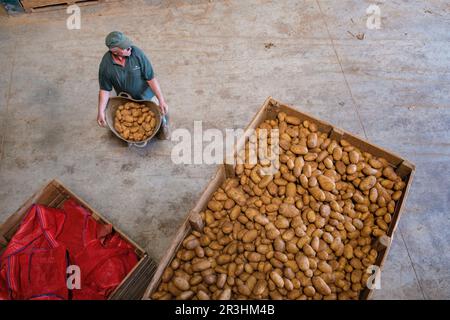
[
  {"x": 125, "y": 95},
  {"x": 138, "y": 145}
]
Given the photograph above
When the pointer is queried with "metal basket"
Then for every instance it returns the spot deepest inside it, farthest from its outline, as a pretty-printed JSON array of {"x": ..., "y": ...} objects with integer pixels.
[{"x": 121, "y": 99}]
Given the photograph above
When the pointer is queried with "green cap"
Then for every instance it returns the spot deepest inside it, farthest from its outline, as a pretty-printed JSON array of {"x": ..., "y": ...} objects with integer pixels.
[{"x": 117, "y": 39}]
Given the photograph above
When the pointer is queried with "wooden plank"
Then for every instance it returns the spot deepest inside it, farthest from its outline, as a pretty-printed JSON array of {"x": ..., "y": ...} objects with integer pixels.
[
  {"x": 269, "y": 110},
  {"x": 165, "y": 261},
  {"x": 400, "y": 206},
  {"x": 48, "y": 5},
  {"x": 135, "y": 284},
  {"x": 257, "y": 119},
  {"x": 185, "y": 229},
  {"x": 11, "y": 224}
]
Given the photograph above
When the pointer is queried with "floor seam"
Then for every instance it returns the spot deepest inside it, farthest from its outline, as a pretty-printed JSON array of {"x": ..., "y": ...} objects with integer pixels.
[
  {"x": 412, "y": 264},
  {"x": 355, "y": 105},
  {"x": 8, "y": 98}
]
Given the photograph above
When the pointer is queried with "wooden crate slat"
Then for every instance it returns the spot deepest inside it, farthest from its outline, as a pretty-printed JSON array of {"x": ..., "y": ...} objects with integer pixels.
[{"x": 47, "y": 5}]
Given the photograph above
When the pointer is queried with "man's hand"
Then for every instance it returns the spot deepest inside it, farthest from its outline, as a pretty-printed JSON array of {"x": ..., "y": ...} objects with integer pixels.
[
  {"x": 101, "y": 119},
  {"x": 164, "y": 107}
]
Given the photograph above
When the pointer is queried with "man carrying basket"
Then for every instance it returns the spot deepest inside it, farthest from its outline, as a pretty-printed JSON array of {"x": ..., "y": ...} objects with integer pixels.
[{"x": 127, "y": 69}]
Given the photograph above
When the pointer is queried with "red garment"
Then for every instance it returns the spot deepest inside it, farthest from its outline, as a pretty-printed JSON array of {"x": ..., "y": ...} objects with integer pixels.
[{"x": 34, "y": 264}]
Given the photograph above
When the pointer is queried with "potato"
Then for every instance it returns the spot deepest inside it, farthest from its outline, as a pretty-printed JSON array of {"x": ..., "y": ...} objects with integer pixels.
[
  {"x": 250, "y": 236},
  {"x": 128, "y": 119},
  {"x": 260, "y": 287},
  {"x": 291, "y": 190},
  {"x": 312, "y": 140},
  {"x": 118, "y": 127},
  {"x": 181, "y": 283},
  {"x": 140, "y": 119},
  {"x": 223, "y": 259},
  {"x": 299, "y": 149},
  {"x": 309, "y": 291},
  {"x": 225, "y": 294},
  {"x": 321, "y": 286},
  {"x": 302, "y": 262},
  {"x": 292, "y": 120},
  {"x": 215, "y": 205},
  {"x": 261, "y": 219},
  {"x": 251, "y": 213},
  {"x": 326, "y": 183},
  {"x": 237, "y": 196},
  {"x": 132, "y": 116},
  {"x": 324, "y": 267},
  {"x": 187, "y": 255},
  {"x": 277, "y": 279},
  {"x": 354, "y": 157},
  {"x": 282, "y": 223},
  {"x": 126, "y": 133},
  {"x": 306, "y": 232},
  {"x": 367, "y": 183},
  {"x": 167, "y": 275},
  {"x": 272, "y": 233},
  {"x": 202, "y": 295},
  {"x": 186, "y": 295},
  {"x": 317, "y": 193},
  {"x": 288, "y": 210},
  {"x": 227, "y": 227}
]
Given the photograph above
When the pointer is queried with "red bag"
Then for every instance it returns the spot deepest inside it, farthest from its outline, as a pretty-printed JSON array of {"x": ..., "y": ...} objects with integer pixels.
[
  {"x": 34, "y": 264},
  {"x": 103, "y": 268}
]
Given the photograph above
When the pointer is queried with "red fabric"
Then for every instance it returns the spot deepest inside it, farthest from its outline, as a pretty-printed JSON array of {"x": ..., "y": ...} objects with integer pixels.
[
  {"x": 41, "y": 273},
  {"x": 79, "y": 228},
  {"x": 104, "y": 267},
  {"x": 34, "y": 264}
]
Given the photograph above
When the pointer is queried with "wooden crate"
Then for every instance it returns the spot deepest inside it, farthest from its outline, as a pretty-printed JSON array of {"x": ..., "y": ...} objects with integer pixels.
[
  {"x": 54, "y": 194},
  {"x": 47, "y": 5},
  {"x": 269, "y": 110}
]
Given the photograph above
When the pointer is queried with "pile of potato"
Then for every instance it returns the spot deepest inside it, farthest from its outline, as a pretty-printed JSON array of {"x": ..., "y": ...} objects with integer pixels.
[
  {"x": 307, "y": 232},
  {"x": 134, "y": 122}
]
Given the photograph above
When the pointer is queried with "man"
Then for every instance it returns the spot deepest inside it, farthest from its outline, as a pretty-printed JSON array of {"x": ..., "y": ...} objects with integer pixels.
[{"x": 127, "y": 69}]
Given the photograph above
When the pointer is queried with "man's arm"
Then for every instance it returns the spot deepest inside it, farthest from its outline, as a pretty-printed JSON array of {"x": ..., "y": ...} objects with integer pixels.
[
  {"x": 154, "y": 85},
  {"x": 103, "y": 97}
]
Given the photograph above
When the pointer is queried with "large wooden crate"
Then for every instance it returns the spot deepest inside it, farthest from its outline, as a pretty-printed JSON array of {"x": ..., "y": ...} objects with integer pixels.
[
  {"x": 54, "y": 194},
  {"x": 269, "y": 110}
]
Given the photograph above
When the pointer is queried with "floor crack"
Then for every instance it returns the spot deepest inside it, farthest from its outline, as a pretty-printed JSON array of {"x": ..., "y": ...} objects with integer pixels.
[
  {"x": 412, "y": 265},
  {"x": 8, "y": 98},
  {"x": 355, "y": 105}
]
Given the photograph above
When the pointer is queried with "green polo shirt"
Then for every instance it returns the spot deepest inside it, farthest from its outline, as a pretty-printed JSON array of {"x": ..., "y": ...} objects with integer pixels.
[{"x": 132, "y": 78}]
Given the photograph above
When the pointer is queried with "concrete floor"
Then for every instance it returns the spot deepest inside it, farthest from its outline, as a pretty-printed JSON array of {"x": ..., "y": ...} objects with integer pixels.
[{"x": 392, "y": 87}]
